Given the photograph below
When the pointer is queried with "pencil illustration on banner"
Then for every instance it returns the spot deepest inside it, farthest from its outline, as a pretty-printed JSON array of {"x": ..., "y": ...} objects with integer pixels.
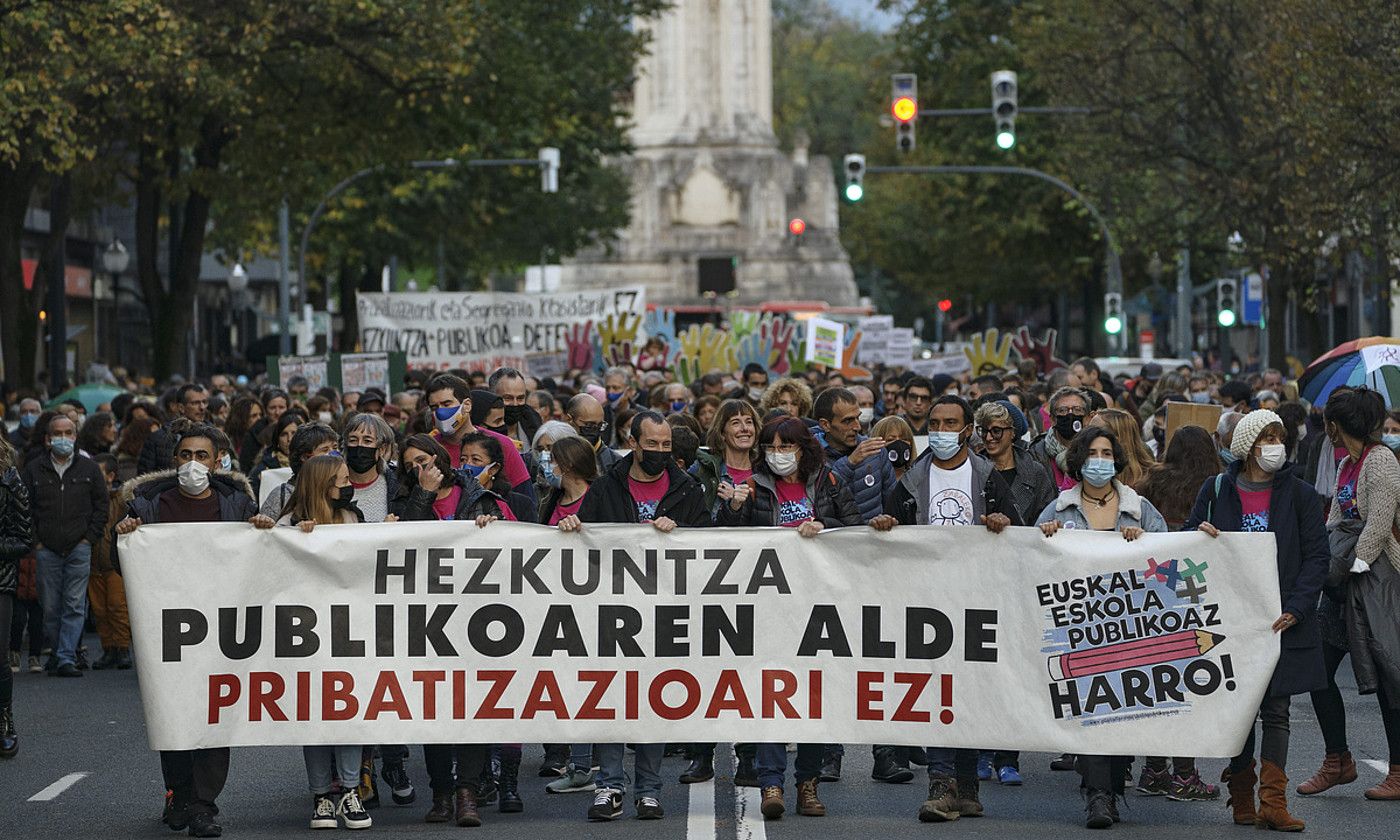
[{"x": 1185, "y": 644}]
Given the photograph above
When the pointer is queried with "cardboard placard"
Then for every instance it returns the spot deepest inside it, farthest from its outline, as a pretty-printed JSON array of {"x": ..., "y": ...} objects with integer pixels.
[{"x": 1181, "y": 414}]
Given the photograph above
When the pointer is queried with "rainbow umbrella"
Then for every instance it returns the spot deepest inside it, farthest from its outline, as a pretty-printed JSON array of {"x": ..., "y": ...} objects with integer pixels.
[{"x": 1366, "y": 362}]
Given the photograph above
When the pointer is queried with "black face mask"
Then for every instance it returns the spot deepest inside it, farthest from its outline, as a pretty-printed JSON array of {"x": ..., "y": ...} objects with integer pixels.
[
  {"x": 514, "y": 413},
  {"x": 1068, "y": 426},
  {"x": 500, "y": 430},
  {"x": 343, "y": 497},
  {"x": 361, "y": 459},
  {"x": 899, "y": 453},
  {"x": 654, "y": 462},
  {"x": 592, "y": 436}
]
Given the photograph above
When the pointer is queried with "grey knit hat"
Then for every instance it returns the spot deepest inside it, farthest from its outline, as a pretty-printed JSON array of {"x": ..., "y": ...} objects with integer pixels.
[{"x": 1247, "y": 431}]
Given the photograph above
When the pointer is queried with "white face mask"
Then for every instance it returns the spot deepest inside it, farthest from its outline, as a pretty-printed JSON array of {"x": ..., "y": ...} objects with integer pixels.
[
  {"x": 194, "y": 478},
  {"x": 225, "y": 462},
  {"x": 756, "y": 394},
  {"x": 325, "y": 417},
  {"x": 1302, "y": 432},
  {"x": 782, "y": 463},
  {"x": 866, "y": 416},
  {"x": 1272, "y": 456}
]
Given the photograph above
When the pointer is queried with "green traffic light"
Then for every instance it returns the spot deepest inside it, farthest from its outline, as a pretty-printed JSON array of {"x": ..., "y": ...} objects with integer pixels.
[
  {"x": 1113, "y": 325},
  {"x": 1006, "y": 139},
  {"x": 854, "y": 192},
  {"x": 1226, "y": 317}
]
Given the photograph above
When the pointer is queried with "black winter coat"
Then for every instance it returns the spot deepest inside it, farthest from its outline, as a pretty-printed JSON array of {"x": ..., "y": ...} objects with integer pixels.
[
  {"x": 1303, "y": 553},
  {"x": 412, "y": 503},
  {"x": 832, "y": 502},
  {"x": 16, "y": 529},
  {"x": 70, "y": 509},
  {"x": 158, "y": 453},
  {"x": 609, "y": 499},
  {"x": 142, "y": 496}
]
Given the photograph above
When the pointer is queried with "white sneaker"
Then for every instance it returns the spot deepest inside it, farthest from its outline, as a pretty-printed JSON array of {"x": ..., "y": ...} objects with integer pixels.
[
  {"x": 574, "y": 780},
  {"x": 34, "y": 666},
  {"x": 323, "y": 813},
  {"x": 14, "y": 661},
  {"x": 353, "y": 811}
]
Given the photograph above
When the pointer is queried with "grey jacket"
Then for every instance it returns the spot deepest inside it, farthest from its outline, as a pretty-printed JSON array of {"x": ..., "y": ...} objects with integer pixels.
[
  {"x": 1032, "y": 488},
  {"x": 909, "y": 502},
  {"x": 1133, "y": 510}
]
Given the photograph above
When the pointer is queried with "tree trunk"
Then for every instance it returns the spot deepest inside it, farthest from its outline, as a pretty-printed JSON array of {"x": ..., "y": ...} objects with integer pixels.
[
  {"x": 52, "y": 267},
  {"x": 1275, "y": 313},
  {"x": 18, "y": 315},
  {"x": 349, "y": 317}
]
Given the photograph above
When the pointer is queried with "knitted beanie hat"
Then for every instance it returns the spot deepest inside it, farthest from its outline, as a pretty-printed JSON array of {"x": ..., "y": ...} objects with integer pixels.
[
  {"x": 1018, "y": 420},
  {"x": 1248, "y": 429}
]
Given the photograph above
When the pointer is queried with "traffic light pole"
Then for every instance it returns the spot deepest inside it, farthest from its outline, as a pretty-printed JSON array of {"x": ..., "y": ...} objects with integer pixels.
[
  {"x": 1113, "y": 268},
  {"x": 988, "y": 112}
]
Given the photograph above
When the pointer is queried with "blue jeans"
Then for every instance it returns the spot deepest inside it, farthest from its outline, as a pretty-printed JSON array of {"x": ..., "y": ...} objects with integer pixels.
[
  {"x": 326, "y": 765},
  {"x": 772, "y": 763},
  {"x": 646, "y": 761},
  {"x": 581, "y": 756},
  {"x": 63, "y": 581},
  {"x": 953, "y": 762}
]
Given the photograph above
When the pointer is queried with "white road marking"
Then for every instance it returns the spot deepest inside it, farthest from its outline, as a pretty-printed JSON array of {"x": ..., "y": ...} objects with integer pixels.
[
  {"x": 56, "y": 789},
  {"x": 1378, "y": 764},
  {"x": 747, "y": 817},
  {"x": 700, "y": 819}
]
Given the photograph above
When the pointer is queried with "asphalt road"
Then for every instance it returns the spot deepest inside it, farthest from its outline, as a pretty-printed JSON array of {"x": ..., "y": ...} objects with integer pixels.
[{"x": 84, "y": 771}]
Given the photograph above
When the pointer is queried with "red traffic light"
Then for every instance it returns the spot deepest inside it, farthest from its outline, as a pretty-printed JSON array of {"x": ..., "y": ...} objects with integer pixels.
[
  {"x": 797, "y": 227},
  {"x": 905, "y": 108},
  {"x": 945, "y": 305}
]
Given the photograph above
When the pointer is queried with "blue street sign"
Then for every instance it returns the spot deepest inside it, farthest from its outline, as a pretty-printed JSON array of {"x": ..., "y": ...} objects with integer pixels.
[{"x": 1252, "y": 313}]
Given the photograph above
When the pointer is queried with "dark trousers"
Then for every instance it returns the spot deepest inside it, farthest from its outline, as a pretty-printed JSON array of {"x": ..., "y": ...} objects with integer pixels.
[
  {"x": 1332, "y": 715},
  {"x": 1273, "y": 717},
  {"x": 196, "y": 777},
  {"x": 772, "y": 763},
  {"x": 7, "y": 679},
  {"x": 469, "y": 759},
  {"x": 28, "y": 615},
  {"x": 1103, "y": 772}
]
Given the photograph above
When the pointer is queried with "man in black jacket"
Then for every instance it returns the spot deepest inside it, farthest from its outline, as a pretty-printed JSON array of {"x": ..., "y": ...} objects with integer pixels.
[
  {"x": 68, "y": 498},
  {"x": 192, "y": 403},
  {"x": 645, "y": 486},
  {"x": 192, "y": 492}
]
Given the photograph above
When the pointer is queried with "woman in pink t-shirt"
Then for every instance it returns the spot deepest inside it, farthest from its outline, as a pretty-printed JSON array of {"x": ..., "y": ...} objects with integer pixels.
[{"x": 577, "y": 465}]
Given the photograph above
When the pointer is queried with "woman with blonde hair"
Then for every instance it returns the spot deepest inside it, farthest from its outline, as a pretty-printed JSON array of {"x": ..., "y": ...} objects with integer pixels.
[
  {"x": 323, "y": 495},
  {"x": 1129, "y": 434},
  {"x": 899, "y": 446},
  {"x": 791, "y": 395}
]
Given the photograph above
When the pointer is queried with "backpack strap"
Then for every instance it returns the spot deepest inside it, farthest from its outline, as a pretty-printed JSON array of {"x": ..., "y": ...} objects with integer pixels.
[{"x": 1210, "y": 506}]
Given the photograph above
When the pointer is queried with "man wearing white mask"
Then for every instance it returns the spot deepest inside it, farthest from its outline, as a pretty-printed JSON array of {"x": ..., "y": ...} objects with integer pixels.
[
  {"x": 950, "y": 485},
  {"x": 192, "y": 492},
  {"x": 865, "y": 401},
  {"x": 68, "y": 500}
]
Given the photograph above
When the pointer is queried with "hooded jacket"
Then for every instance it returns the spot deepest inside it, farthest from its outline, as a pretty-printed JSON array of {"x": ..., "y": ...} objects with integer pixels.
[
  {"x": 909, "y": 502},
  {"x": 832, "y": 503},
  {"x": 610, "y": 500},
  {"x": 1302, "y": 555},
  {"x": 16, "y": 529},
  {"x": 141, "y": 495}
]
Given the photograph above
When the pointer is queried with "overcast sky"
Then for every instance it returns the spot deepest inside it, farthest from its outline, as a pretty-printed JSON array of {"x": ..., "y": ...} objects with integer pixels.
[{"x": 866, "y": 10}]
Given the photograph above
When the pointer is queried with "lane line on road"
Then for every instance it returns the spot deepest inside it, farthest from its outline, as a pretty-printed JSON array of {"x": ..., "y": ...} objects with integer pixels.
[
  {"x": 700, "y": 819},
  {"x": 748, "y": 818},
  {"x": 1378, "y": 764},
  {"x": 56, "y": 789}
]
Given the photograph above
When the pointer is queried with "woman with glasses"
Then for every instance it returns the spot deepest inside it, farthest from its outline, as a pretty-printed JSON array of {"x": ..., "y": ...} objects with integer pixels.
[{"x": 792, "y": 487}]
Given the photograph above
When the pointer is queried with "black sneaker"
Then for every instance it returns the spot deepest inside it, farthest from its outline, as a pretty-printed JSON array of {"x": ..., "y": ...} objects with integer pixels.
[
  {"x": 1098, "y": 809},
  {"x": 831, "y": 768},
  {"x": 745, "y": 774},
  {"x": 81, "y": 660},
  {"x": 400, "y": 788},
  {"x": 890, "y": 767},
  {"x": 67, "y": 669},
  {"x": 352, "y": 810},
  {"x": 323, "y": 812},
  {"x": 1064, "y": 763},
  {"x": 649, "y": 809},
  {"x": 176, "y": 814},
  {"x": 607, "y": 805},
  {"x": 556, "y": 761},
  {"x": 202, "y": 824}
]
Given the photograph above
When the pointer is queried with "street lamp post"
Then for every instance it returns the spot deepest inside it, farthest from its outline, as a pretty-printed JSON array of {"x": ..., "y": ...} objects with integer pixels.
[{"x": 115, "y": 259}]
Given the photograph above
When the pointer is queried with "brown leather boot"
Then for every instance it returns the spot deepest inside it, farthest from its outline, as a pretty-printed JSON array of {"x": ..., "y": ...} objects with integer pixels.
[
  {"x": 1389, "y": 788},
  {"x": 1336, "y": 769},
  {"x": 772, "y": 807},
  {"x": 808, "y": 805},
  {"x": 1273, "y": 800},
  {"x": 1241, "y": 787},
  {"x": 467, "y": 811}
]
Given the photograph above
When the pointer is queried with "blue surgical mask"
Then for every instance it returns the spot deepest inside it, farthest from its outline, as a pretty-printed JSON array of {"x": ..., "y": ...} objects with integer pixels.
[
  {"x": 62, "y": 447},
  {"x": 677, "y": 406},
  {"x": 447, "y": 418},
  {"x": 1098, "y": 472},
  {"x": 1200, "y": 397},
  {"x": 614, "y": 396},
  {"x": 945, "y": 445},
  {"x": 1393, "y": 441},
  {"x": 28, "y": 420},
  {"x": 225, "y": 462},
  {"x": 1227, "y": 457},
  {"x": 475, "y": 471},
  {"x": 548, "y": 472}
]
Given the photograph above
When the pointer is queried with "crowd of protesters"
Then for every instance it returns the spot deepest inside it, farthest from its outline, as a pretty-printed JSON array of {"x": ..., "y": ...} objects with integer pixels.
[{"x": 1069, "y": 449}]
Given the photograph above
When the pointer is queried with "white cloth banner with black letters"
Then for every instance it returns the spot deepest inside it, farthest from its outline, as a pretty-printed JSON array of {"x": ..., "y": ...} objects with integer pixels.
[{"x": 427, "y": 632}]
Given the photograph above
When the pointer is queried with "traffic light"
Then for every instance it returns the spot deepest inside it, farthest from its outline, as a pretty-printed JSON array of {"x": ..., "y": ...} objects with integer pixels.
[
  {"x": 797, "y": 227},
  {"x": 855, "y": 178},
  {"x": 1004, "y": 107},
  {"x": 549, "y": 169},
  {"x": 945, "y": 305},
  {"x": 1226, "y": 300},
  {"x": 904, "y": 107},
  {"x": 1113, "y": 313}
]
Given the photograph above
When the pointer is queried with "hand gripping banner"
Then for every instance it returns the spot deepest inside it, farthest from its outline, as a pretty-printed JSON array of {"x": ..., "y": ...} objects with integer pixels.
[{"x": 443, "y": 632}]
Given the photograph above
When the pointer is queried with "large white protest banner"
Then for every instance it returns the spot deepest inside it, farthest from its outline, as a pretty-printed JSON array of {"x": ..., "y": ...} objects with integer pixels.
[
  {"x": 486, "y": 330},
  {"x": 429, "y": 632}
]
